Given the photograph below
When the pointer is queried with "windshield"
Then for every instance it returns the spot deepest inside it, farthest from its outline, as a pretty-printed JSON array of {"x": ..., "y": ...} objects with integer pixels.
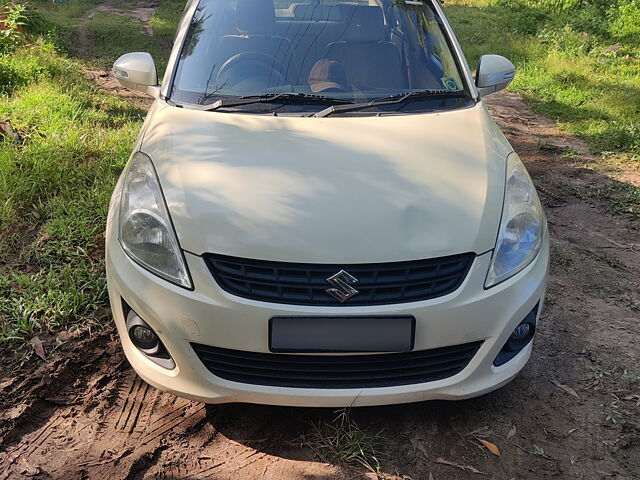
[{"x": 352, "y": 51}]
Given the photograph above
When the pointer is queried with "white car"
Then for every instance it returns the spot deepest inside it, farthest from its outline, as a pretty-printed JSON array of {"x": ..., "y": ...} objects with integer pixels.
[{"x": 319, "y": 211}]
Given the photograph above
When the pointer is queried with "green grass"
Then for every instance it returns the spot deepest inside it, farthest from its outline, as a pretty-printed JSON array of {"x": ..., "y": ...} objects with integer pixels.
[
  {"x": 109, "y": 34},
  {"x": 54, "y": 190},
  {"x": 166, "y": 18},
  {"x": 579, "y": 66},
  {"x": 59, "y": 20},
  {"x": 105, "y": 47},
  {"x": 55, "y": 183},
  {"x": 622, "y": 198},
  {"x": 588, "y": 81}
]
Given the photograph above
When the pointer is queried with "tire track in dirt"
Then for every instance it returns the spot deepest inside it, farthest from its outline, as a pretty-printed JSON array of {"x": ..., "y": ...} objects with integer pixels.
[
  {"x": 135, "y": 402},
  {"x": 98, "y": 424}
]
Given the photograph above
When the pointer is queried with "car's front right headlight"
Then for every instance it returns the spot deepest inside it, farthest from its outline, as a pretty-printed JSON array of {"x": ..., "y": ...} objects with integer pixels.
[
  {"x": 146, "y": 233},
  {"x": 522, "y": 225}
]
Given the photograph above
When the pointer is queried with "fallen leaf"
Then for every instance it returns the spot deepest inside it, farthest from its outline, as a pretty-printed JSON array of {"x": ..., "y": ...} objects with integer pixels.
[
  {"x": 7, "y": 131},
  {"x": 418, "y": 445},
  {"x": 492, "y": 447},
  {"x": 566, "y": 389},
  {"x": 466, "y": 468},
  {"x": 538, "y": 450},
  {"x": 431, "y": 476},
  {"x": 512, "y": 432},
  {"x": 572, "y": 430},
  {"x": 38, "y": 348},
  {"x": 65, "y": 336}
]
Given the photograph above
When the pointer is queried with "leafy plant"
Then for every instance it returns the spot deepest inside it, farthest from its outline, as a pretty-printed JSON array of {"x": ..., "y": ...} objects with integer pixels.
[
  {"x": 625, "y": 19},
  {"x": 12, "y": 19},
  {"x": 568, "y": 40}
]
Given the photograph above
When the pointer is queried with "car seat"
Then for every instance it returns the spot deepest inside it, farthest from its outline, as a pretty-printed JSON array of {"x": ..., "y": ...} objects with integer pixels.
[{"x": 371, "y": 61}]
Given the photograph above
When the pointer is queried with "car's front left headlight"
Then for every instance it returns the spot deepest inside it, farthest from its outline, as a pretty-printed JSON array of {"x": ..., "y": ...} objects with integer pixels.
[
  {"x": 522, "y": 225},
  {"x": 146, "y": 232}
]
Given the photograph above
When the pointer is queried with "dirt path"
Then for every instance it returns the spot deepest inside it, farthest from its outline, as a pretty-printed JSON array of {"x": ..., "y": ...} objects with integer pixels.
[
  {"x": 139, "y": 11},
  {"x": 86, "y": 415},
  {"x": 142, "y": 12}
]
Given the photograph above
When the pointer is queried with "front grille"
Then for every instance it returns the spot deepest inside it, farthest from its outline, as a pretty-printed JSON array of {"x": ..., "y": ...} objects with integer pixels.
[
  {"x": 330, "y": 371},
  {"x": 306, "y": 283}
]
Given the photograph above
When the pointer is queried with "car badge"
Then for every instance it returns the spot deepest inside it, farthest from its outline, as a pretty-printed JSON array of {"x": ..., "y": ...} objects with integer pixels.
[{"x": 342, "y": 290}]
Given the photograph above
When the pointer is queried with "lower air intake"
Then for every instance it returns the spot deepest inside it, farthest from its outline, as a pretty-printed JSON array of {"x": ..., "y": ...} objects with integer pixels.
[{"x": 336, "y": 371}]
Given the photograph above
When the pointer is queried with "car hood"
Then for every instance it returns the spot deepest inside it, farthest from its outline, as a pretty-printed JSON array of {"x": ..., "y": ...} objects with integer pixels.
[{"x": 330, "y": 190}]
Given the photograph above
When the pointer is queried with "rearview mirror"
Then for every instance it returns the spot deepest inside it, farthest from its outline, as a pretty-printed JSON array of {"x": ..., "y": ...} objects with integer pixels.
[
  {"x": 137, "y": 71},
  {"x": 494, "y": 73}
]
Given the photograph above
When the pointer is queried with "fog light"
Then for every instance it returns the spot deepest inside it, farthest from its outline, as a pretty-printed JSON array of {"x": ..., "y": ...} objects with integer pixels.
[
  {"x": 146, "y": 340},
  {"x": 143, "y": 337},
  {"x": 519, "y": 338},
  {"x": 521, "y": 332}
]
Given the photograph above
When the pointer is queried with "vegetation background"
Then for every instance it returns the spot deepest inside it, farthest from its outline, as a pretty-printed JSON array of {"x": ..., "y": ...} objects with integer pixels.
[{"x": 63, "y": 141}]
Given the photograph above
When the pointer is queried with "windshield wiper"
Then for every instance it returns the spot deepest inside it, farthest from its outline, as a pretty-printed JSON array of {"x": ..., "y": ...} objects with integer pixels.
[
  {"x": 290, "y": 98},
  {"x": 399, "y": 98}
]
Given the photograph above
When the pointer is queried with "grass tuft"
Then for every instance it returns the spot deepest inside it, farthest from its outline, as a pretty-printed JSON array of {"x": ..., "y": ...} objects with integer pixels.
[
  {"x": 342, "y": 440},
  {"x": 623, "y": 198}
]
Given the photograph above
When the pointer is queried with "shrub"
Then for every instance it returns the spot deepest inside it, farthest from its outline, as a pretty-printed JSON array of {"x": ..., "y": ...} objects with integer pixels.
[
  {"x": 625, "y": 19},
  {"x": 28, "y": 65},
  {"x": 12, "y": 19}
]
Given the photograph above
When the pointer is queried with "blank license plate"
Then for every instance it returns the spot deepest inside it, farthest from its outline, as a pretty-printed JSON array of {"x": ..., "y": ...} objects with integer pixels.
[{"x": 342, "y": 334}]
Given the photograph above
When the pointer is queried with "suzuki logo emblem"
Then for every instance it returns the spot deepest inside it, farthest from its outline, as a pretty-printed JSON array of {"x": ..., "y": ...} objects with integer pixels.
[{"x": 342, "y": 282}]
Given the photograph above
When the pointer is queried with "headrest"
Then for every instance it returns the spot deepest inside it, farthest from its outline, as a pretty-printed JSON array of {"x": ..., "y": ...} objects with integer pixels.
[
  {"x": 326, "y": 74},
  {"x": 312, "y": 11},
  {"x": 366, "y": 24},
  {"x": 255, "y": 16}
]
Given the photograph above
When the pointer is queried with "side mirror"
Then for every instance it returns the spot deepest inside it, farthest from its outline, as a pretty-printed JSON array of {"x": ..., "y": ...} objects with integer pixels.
[
  {"x": 137, "y": 71},
  {"x": 493, "y": 74}
]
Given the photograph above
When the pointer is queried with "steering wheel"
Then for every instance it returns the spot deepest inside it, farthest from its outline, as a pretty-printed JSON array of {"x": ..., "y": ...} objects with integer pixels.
[{"x": 251, "y": 71}]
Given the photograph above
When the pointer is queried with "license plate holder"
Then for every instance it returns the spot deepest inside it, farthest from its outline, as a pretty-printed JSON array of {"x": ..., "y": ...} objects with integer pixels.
[{"x": 342, "y": 334}]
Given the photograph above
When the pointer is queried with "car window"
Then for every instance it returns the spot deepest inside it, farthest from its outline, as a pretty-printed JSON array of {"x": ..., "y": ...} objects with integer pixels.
[{"x": 356, "y": 51}]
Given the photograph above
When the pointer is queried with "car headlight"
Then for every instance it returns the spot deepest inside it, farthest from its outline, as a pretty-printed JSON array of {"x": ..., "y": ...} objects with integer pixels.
[
  {"x": 521, "y": 227},
  {"x": 146, "y": 232}
]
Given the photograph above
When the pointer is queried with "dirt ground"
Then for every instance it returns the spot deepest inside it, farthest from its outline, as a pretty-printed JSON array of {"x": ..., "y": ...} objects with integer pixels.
[{"x": 574, "y": 411}]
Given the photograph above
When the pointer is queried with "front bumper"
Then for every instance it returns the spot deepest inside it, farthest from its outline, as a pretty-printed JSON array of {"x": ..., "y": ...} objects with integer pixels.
[{"x": 208, "y": 315}]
